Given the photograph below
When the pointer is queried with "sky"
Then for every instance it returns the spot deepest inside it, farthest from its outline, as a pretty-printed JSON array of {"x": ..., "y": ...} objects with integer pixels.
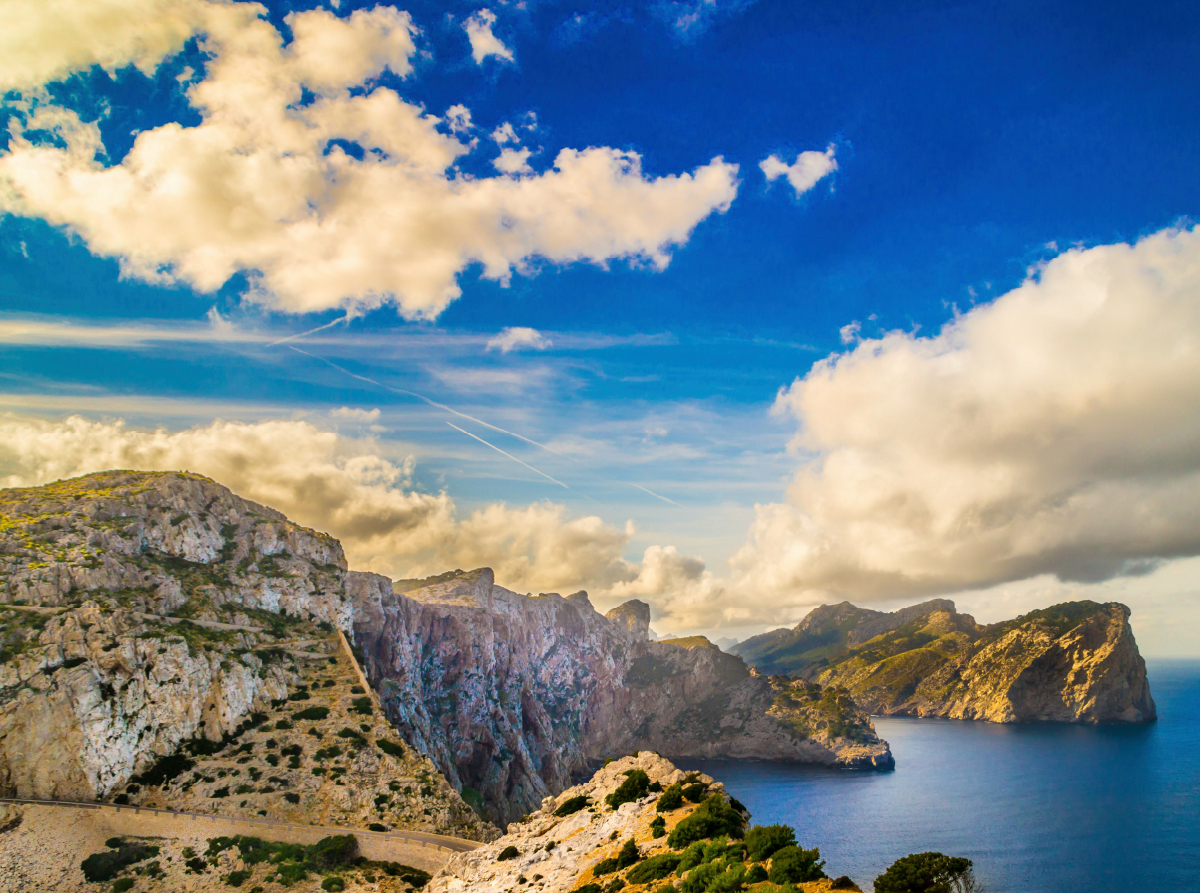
[{"x": 735, "y": 307}]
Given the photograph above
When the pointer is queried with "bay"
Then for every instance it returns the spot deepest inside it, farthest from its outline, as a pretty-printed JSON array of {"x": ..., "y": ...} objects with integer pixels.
[{"x": 1037, "y": 807}]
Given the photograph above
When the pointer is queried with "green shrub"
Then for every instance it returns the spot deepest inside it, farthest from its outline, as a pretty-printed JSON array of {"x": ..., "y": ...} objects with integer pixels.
[
  {"x": 114, "y": 842},
  {"x": 100, "y": 867},
  {"x": 391, "y": 748},
  {"x": 764, "y": 840},
  {"x": 653, "y": 869},
  {"x": 634, "y": 787},
  {"x": 711, "y": 818},
  {"x": 357, "y": 690},
  {"x": 658, "y": 828},
  {"x": 796, "y": 865},
  {"x": 309, "y": 713},
  {"x": 924, "y": 873},
  {"x": 757, "y": 874},
  {"x": 692, "y": 856},
  {"x": 299, "y": 696},
  {"x": 375, "y": 826},
  {"x": 672, "y": 798},
  {"x": 614, "y": 885},
  {"x": 362, "y": 706},
  {"x": 353, "y": 737},
  {"x": 237, "y": 878},
  {"x": 333, "y": 884},
  {"x": 843, "y": 883},
  {"x": 605, "y": 866},
  {"x": 732, "y": 879},
  {"x": 291, "y": 798},
  {"x": 571, "y": 806},
  {"x": 700, "y": 877},
  {"x": 590, "y": 888},
  {"x": 335, "y": 850},
  {"x": 221, "y": 792},
  {"x": 509, "y": 852},
  {"x": 122, "y": 885},
  {"x": 695, "y": 792},
  {"x": 196, "y": 865}
]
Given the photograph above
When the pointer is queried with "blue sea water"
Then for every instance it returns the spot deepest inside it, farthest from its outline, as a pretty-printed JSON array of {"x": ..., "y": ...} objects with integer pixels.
[{"x": 1038, "y": 808}]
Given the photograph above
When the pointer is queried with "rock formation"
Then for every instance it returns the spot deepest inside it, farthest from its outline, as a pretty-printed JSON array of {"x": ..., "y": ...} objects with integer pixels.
[
  {"x": 1074, "y": 662},
  {"x": 519, "y": 697},
  {"x": 142, "y": 611}
]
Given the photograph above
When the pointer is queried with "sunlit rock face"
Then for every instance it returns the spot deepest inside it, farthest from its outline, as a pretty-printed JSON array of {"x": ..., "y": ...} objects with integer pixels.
[
  {"x": 519, "y": 697},
  {"x": 1074, "y": 662}
]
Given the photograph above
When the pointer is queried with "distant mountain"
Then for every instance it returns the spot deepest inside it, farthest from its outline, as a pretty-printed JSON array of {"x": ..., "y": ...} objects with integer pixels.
[
  {"x": 725, "y": 643},
  {"x": 1074, "y": 662}
]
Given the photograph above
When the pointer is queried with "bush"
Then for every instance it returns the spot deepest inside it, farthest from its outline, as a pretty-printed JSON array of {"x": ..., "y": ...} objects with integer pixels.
[
  {"x": 196, "y": 865},
  {"x": 357, "y": 690},
  {"x": 590, "y": 888},
  {"x": 362, "y": 706},
  {"x": 375, "y": 826},
  {"x": 299, "y": 696},
  {"x": 672, "y": 798},
  {"x": 796, "y": 865},
  {"x": 695, "y": 792},
  {"x": 658, "y": 828},
  {"x": 653, "y": 869},
  {"x": 571, "y": 806},
  {"x": 605, "y": 866},
  {"x": 925, "y": 873},
  {"x": 335, "y": 850},
  {"x": 843, "y": 883},
  {"x": 762, "y": 841},
  {"x": 164, "y": 770},
  {"x": 629, "y": 854},
  {"x": 509, "y": 852},
  {"x": 634, "y": 787},
  {"x": 309, "y": 713},
  {"x": 757, "y": 874},
  {"x": 333, "y": 884},
  {"x": 391, "y": 748},
  {"x": 700, "y": 877},
  {"x": 122, "y": 885},
  {"x": 237, "y": 878},
  {"x": 729, "y": 881},
  {"x": 711, "y": 818},
  {"x": 291, "y": 798}
]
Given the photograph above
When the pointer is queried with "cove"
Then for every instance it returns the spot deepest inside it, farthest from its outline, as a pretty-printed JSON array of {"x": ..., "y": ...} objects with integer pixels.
[{"x": 1039, "y": 808}]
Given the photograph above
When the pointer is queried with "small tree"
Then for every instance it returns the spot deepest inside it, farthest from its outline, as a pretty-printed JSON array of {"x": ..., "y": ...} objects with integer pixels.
[
  {"x": 796, "y": 865},
  {"x": 927, "y": 873},
  {"x": 762, "y": 841}
]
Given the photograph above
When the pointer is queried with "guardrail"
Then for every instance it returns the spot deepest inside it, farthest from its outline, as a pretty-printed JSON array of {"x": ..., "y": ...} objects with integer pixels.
[{"x": 425, "y": 839}]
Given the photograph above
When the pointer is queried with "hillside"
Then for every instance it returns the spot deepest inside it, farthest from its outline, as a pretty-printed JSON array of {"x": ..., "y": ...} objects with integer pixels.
[
  {"x": 156, "y": 616},
  {"x": 1074, "y": 662}
]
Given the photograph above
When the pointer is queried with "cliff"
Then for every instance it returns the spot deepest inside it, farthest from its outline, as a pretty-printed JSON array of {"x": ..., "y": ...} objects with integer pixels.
[
  {"x": 518, "y": 697},
  {"x": 150, "y": 616},
  {"x": 610, "y": 833},
  {"x": 1074, "y": 662},
  {"x": 146, "y": 615}
]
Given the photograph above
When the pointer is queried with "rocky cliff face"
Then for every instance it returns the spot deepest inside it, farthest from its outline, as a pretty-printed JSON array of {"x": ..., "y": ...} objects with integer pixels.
[
  {"x": 1075, "y": 662},
  {"x": 517, "y": 697}
]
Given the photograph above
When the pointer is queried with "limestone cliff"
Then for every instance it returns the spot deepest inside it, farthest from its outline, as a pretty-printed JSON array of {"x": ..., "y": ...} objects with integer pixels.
[
  {"x": 517, "y": 697},
  {"x": 1074, "y": 662}
]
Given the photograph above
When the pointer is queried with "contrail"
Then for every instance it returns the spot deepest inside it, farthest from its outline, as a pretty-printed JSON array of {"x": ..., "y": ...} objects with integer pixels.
[
  {"x": 449, "y": 409},
  {"x": 327, "y": 325},
  {"x": 510, "y": 455},
  {"x": 655, "y": 495}
]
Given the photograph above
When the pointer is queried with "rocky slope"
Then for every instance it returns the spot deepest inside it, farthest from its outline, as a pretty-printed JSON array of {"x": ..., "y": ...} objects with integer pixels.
[
  {"x": 582, "y": 841},
  {"x": 518, "y": 697},
  {"x": 150, "y": 615},
  {"x": 1074, "y": 662}
]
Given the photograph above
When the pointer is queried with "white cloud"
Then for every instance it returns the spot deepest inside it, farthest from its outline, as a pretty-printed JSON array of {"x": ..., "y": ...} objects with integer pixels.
[
  {"x": 850, "y": 332},
  {"x": 458, "y": 117},
  {"x": 257, "y": 188},
  {"x": 343, "y": 486},
  {"x": 505, "y": 133},
  {"x": 483, "y": 42},
  {"x": 353, "y": 414},
  {"x": 804, "y": 172},
  {"x": 519, "y": 338},
  {"x": 513, "y": 162},
  {"x": 1052, "y": 431}
]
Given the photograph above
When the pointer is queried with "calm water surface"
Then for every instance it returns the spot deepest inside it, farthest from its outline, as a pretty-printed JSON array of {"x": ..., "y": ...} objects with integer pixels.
[{"x": 1069, "y": 809}]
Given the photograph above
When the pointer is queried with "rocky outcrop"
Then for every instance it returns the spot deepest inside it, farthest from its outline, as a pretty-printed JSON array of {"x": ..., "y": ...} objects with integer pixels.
[
  {"x": 634, "y": 617},
  {"x": 518, "y": 697},
  {"x": 1074, "y": 662}
]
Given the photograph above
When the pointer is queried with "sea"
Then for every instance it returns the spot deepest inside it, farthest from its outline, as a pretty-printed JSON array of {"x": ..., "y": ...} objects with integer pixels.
[{"x": 1038, "y": 808}]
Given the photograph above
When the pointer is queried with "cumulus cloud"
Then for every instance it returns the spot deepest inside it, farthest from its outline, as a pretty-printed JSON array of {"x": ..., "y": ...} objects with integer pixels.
[
  {"x": 353, "y": 414},
  {"x": 513, "y": 162},
  {"x": 262, "y": 185},
  {"x": 1052, "y": 431},
  {"x": 803, "y": 173},
  {"x": 519, "y": 338},
  {"x": 483, "y": 42},
  {"x": 340, "y": 485}
]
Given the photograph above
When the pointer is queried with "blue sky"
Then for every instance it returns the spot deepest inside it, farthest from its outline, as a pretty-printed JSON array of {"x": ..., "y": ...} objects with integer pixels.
[{"x": 973, "y": 142}]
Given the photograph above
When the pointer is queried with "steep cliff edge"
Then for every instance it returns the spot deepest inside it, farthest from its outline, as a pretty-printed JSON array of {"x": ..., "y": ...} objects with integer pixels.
[
  {"x": 150, "y": 616},
  {"x": 517, "y": 697},
  {"x": 1074, "y": 662}
]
